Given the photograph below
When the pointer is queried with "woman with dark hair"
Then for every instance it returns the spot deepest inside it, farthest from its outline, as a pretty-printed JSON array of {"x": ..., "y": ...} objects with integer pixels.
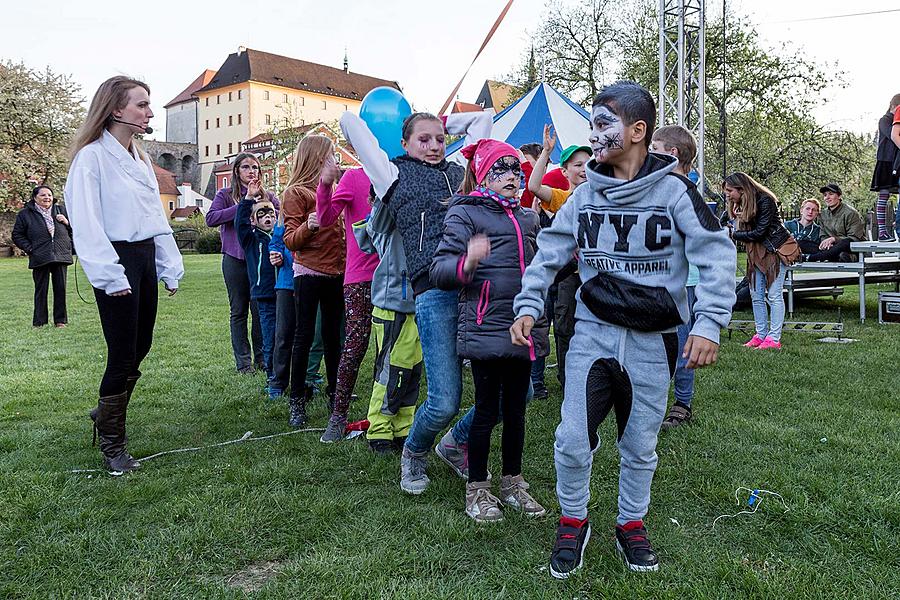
[
  {"x": 234, "y": 267},
  {"x": 43, "y": 232},
  {"x": 757, "y": 224},
  {"x": 884, "y": 179},
  {"x": 125, "y": 246}
]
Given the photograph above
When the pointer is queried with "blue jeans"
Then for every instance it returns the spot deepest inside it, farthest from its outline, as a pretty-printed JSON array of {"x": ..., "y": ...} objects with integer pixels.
[
  {"x": 436, "y": 318},
  {"x": 267, "y": 324},
  {"x": 684, "y": 378},
  {"x": 768, "y": 325},
  {"x": 462, "y": 427}
]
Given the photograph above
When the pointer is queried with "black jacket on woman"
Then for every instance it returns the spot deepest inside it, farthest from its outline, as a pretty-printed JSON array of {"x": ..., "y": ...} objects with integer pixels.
[
  {"x": 768, "y": 229},
  {"x": 30, "y": 233},
  {"x": 486, "y": 296}
]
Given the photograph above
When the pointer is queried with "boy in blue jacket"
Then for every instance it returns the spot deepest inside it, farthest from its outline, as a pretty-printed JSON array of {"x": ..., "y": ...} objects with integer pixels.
[{"x": 254, "y": 234}]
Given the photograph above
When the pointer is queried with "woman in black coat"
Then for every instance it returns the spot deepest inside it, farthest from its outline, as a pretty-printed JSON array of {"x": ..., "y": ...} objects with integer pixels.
[{"x": 43, "y": 232}]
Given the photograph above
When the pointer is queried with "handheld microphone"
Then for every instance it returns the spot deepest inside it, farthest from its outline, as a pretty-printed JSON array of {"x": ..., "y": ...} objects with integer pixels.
[{"x": 147, "y": 129}]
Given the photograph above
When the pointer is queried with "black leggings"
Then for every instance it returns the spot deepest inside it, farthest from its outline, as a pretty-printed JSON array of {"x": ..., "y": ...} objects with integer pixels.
[
  {"x": 310, "y": 293},
  {"x": 501, "y": 380},
  {"x": 42, "y": 277},
  {"x": 128, "y": 320}
]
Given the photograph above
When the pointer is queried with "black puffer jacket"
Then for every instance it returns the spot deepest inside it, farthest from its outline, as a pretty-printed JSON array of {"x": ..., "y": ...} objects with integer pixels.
[
  {"x": 31, "y": 235},
  {"x": 486, "y": 296},
  {"x": 768, "y": 229},
  {"x": 418, "y": 203}
]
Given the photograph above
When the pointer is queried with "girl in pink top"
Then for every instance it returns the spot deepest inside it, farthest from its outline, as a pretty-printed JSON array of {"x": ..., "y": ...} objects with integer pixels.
[{"x": 352, "y": 198}]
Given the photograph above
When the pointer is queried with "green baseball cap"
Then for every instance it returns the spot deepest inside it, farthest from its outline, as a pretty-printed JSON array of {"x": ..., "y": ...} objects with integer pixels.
[{"x": 566, "y": 154}]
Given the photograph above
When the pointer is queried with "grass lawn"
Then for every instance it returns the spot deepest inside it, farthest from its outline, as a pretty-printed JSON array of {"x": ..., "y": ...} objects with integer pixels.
[{"x": 290, "y": 517}]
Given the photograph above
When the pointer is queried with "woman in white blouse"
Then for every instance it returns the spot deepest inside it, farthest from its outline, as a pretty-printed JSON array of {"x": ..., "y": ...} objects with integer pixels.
[{"x": 124, "y": 243}]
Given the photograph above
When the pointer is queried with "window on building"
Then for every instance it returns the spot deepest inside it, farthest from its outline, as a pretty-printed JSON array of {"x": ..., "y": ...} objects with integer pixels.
[
  {"x": 324, "y": 104},
  {"x": 217, "y": 122},
  {"x": 207, "y": 123},
  {"x": 229, "y": 96},
  {"x": 345, "y": 107},
  {"x": 230, "y": 120},
  {"x": 239, "y": 118},
  {"x": 265, "y": 94},
  {"x": 207, "y": 100},
  {"x": 229, "y": 147},
  {"x": 171, "y": 205},
  {"x": 207, "y": 151},
  {"x": 218, "y": 98},
  {"x": 268, "y": 119},
  {"x": 199, "y": 201},
  {"x": 302, "y": 101},
  {"x": 239, "y": 94},
  {"x": 218, "y": 149},
  {"x": 225, "y": 182},
  {"x": 284, "y": 98}
]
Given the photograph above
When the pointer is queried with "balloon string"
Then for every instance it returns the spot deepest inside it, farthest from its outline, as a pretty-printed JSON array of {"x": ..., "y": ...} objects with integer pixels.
[{"x": 480, "y": 50}]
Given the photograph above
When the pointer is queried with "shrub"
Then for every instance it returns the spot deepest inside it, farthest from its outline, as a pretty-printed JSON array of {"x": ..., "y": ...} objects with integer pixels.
[{"x": 209, "y": 242}]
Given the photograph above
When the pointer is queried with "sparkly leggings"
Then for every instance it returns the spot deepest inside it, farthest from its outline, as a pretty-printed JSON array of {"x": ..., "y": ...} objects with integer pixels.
[{"x": 358, "y": 323}]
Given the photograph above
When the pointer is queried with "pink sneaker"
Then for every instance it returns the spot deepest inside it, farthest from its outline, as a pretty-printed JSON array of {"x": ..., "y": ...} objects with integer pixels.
[
  {"x": 754, "y": 342},
  {"x": 769, "y": 344}
]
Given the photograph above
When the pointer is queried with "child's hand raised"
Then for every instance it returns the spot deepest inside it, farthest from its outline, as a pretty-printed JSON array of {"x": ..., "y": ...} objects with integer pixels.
[
  {"x": 479, "y": 249},
  {"x": 330, "y": 170},
  {"x": 550, "y": 138}
]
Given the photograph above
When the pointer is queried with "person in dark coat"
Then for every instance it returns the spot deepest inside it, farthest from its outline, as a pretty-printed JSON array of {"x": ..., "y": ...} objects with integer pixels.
[
  {"x": 884, "y": 178},
  {"x": 43, "y": 232},
  {"x": 488, "y": 241}
]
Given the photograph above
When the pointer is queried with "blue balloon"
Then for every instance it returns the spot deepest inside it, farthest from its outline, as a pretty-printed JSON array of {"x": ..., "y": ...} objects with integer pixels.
[{"x": 384, "y": 109}]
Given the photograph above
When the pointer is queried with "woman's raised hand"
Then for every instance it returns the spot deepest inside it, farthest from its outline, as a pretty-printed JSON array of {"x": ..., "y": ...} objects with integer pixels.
[
  {"x": 254, "y": 188},
  {"x": 330, "y": 170}
]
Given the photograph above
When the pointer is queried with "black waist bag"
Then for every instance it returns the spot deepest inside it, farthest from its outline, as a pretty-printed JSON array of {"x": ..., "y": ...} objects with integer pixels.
[{"x": 620, "y": 302}]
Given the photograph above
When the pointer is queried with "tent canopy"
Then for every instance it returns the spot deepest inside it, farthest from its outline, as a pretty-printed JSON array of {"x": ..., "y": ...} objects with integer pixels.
[{"x": 523, "y": 121}]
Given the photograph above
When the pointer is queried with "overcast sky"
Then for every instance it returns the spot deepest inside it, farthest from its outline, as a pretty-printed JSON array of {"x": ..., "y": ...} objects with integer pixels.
[{"x": 424, "y": 45}]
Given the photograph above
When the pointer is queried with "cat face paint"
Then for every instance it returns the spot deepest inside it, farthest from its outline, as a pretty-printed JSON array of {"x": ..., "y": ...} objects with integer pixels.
[
  {"x": 607, "y": 134},
  {"x": 427, "y": 141},
  {"x": 504, "y": 177}
]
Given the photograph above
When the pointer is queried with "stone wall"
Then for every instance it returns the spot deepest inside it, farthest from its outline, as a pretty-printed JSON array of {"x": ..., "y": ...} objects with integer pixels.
[{"x": 181, "y": 159}]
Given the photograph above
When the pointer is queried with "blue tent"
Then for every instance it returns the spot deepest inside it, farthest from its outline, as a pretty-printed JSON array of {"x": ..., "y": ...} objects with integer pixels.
[{"x": 523, "y": 121}]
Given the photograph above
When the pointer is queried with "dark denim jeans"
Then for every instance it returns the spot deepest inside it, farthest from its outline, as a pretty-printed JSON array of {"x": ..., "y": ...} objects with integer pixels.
[{"x": 684, "y": 378}]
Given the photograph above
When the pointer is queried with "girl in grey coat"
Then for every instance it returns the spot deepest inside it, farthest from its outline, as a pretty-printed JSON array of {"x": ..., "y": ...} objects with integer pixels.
[{"x": 487, "y": 242}]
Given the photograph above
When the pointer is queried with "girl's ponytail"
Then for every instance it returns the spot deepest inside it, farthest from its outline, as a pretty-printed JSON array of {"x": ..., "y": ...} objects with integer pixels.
[{"x": 469, "y": 182}]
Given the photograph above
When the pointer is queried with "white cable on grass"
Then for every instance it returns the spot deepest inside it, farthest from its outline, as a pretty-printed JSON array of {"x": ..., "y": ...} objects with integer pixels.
[
  {"x": 247, "y": 437},
  {"x": 755, "y": 500}
]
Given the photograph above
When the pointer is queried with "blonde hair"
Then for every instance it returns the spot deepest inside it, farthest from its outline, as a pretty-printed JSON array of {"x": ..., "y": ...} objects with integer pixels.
[
  {"x": 111, "y": 95},
  {"x": 814, "y": 201},
  {"x": 308, "y": 159},
  {"x": 750, "y": 191}
]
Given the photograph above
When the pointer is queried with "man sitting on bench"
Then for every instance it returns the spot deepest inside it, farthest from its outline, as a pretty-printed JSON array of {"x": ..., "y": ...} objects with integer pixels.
[
  {"x": 841, "y": 224},
  {"x": 805, "y": 229}
]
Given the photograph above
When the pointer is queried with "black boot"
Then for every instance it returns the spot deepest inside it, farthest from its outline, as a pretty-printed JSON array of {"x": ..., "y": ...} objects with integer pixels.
[
  {"x": 297, "y": 412},
  {"x": 129, "y": 388},
  {"x": 111, "y": 431}
]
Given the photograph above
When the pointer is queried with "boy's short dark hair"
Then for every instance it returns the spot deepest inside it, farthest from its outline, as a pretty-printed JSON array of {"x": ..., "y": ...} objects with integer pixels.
[
  {"x": 631, "y": 102},
  {"x": 531, "y": 149},
  {"x": 676, "y": 136}
]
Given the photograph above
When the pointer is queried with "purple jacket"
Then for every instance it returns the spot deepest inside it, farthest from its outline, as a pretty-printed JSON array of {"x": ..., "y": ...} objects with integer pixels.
[{"x": 221, "y": 214}]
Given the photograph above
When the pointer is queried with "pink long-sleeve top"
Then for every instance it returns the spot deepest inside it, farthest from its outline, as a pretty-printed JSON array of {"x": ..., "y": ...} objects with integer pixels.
[{"x": 352, "y": 198}]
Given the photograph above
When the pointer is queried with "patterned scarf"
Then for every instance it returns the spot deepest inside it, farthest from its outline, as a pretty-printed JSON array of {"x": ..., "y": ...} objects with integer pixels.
[
  {"x": 503, "y": 201},
  {"x": 47, "y": 213}
]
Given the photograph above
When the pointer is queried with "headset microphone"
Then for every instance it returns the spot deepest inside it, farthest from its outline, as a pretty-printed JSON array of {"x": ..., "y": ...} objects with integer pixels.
[{"x": 148, "y": 130}]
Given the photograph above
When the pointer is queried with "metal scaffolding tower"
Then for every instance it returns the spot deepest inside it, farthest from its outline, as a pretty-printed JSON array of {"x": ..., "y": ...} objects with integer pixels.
[{"x": 682, "y": 64}]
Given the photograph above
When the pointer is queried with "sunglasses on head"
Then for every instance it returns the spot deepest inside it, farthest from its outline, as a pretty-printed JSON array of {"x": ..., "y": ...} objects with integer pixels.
[{"x": 507, "y": 164}]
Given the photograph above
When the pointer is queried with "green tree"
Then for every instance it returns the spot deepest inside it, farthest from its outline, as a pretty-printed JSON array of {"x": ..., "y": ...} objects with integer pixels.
[{"x": 39, "y": 113}]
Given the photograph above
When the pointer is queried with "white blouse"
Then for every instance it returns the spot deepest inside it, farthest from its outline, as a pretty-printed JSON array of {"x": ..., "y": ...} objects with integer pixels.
[{"x": 111, "y": 196}]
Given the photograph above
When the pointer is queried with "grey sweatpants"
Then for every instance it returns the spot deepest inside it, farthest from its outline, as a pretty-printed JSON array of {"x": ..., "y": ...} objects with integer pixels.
[{"x": 628, "y": 371}]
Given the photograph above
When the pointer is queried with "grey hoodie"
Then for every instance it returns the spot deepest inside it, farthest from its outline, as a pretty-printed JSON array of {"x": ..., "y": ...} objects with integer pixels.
[
  {"x": 634, "y": 240},
  {"x": 391, "y": 288}
]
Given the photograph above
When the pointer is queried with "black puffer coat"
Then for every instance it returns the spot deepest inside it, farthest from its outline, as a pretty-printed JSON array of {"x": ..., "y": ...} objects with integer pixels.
[
  {"x": 768, "y": 229},
  {"x": 486, "y": 296},
  {"x": 30, "y": 233}
]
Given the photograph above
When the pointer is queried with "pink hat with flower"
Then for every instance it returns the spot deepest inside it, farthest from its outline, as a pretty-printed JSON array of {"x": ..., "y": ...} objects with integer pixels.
[{"x": 484, "y": 153}]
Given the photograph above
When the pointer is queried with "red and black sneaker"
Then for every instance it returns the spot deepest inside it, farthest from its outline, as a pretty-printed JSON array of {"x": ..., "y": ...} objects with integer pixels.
[
  {"x": 572, "y": 536},
  {"x": 634, "y": 547}
]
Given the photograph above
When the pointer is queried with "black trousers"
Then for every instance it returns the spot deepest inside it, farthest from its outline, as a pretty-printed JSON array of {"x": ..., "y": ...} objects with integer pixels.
[
  {"x": 499, "y": 381},
  {"x": 285, "y": 327},
  {"x": 310, "y": 293},
  {"x": 237, "y": 284},
  {"x": 564, "y": 321},
  {"x": 128, "y": 321},
  {"x": 832, "y": 254},
  {"x": 42, "y": 277}
]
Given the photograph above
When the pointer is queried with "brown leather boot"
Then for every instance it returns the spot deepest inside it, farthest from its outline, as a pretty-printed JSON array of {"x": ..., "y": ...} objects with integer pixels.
[
  {"x": 110, "y": 424},
  {"x": 129, "y": 388}
]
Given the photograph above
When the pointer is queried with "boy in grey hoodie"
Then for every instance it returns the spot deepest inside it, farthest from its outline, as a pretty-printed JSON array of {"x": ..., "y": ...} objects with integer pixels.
[{"x": 633, "y": 228}]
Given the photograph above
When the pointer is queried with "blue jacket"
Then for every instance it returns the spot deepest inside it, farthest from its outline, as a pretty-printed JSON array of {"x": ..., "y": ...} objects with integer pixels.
[
  {"x": 255, "y": 244},
  {"x": 284, "y": 275}
]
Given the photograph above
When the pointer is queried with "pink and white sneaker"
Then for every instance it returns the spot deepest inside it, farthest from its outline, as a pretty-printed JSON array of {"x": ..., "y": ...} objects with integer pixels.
[
  {"x": 769, "y": 344},
  {"x": 754, "y": 342}
]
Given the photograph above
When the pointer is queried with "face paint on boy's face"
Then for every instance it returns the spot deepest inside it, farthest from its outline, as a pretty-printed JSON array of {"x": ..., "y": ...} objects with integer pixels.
[
  {"x": 265, "y": 218},
  {"x": 607, "y": 133}
]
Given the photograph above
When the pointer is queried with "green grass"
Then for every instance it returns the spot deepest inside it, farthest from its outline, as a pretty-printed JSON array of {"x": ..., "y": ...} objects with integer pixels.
[{"x": 291, "y": 517}]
